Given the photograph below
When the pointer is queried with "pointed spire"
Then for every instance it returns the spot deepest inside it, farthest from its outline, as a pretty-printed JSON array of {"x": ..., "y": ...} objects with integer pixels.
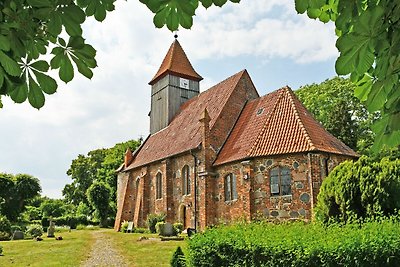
[
  {"x": 176, "y": 63},
  {"x": 205, "y": 117}
]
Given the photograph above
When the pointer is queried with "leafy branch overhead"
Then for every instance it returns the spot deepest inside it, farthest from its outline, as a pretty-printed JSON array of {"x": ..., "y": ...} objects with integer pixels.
[
  {"x": 173, "y": 13},
  {"x": 369, "y": 45},
  {"x": 368, "y": 41},
  {"x": 29, "y": 29}
]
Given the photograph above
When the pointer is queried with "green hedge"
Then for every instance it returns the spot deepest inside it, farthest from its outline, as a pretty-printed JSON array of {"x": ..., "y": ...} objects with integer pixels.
[{"x": 297, "y": 244}]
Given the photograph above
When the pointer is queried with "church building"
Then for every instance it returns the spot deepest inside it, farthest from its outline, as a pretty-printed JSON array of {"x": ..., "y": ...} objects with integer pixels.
[{"x": 224, "y": 154}]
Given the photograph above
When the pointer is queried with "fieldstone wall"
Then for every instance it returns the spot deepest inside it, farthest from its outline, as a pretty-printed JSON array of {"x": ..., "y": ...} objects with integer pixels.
[{"x": 254, "y": 198}]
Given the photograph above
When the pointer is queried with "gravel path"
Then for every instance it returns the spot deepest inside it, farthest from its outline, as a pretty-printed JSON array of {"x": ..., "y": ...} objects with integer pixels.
[{"x": 103, "y": 253}]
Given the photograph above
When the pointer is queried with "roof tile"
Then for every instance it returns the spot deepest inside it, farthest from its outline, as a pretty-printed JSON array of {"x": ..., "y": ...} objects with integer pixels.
[
  {"x": 183, "y": 133},
  {"x": 278, "y": 123}
]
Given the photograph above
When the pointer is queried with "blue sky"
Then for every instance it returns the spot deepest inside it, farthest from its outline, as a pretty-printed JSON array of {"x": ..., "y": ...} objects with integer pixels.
[{"x": 266, "y": 37}]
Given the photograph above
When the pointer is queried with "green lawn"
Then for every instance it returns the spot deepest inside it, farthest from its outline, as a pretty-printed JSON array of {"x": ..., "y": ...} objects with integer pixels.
[
  {"x": 145, "y": 253},
  {"x": 70, "y": 251},
  {"x": 76, "y": 245}
]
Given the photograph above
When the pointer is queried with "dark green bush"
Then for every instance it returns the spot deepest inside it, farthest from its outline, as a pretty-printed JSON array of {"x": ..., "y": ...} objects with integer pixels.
[
  {"x": 5, "y": 228},
  {"x": 178, "y": 258},
  {"x": 45, "y": 222},
  {"x": 361, "y": 189},
  {"x": 153, "y": 219},
  {"x": 298, "y": 244}
]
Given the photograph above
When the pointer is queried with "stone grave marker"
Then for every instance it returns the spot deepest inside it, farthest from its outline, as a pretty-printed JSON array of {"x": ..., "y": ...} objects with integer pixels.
[
  {"x": 18, "y": 235},
  {"x": 51, "y": 229}
]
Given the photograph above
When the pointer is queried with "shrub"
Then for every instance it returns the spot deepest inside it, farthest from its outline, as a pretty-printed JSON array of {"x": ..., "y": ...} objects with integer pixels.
[
  {"x": 160, "y": 228},
  {"x": 45, "y": 222},
  {"x": 34, "y": 230},
  {"x": 361, "y": 189},
  {"x": 141, "y": 230},
  {"x": 5, "y": 228},
  {"x": 124, "y": 226},
  {"x": 178, "y": 258},
  {"x": 4, "y": 236},
  {"x": 5, "y": 225},
  {"x": 153, "y": 219},
  {"x": 297, "y": 244},
  {"x": 178, "y": 228}
]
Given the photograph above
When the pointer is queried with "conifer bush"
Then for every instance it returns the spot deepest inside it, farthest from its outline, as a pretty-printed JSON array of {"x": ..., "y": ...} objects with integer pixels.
[
  {"x": 298, "y": 245},
  {"x": 178, "y": 258}
]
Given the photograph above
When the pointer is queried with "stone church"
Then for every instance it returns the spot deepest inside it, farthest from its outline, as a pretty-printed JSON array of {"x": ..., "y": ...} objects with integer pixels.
[{"x": 224, "y": 154}]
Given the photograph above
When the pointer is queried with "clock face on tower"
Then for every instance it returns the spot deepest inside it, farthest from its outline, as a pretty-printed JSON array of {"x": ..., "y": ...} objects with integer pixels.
[{"x": 184, "y": 83}]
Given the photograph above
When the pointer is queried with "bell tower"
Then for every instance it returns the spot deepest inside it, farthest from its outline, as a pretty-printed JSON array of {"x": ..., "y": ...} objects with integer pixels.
[{"x": 174, "y": 83}]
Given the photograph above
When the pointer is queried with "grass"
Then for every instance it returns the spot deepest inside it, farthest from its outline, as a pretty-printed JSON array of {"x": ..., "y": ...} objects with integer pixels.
[
  {"x": 76, "y": 245},
  {"x": 145, "y": 253},
  {"x": 70, "y": 251}
]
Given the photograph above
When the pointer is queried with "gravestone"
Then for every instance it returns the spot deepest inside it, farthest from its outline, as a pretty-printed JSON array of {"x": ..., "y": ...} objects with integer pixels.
[
  {"x": 18, "y": 235},
  {"x": 168, "y": 229},
  {"x": 51, "y": 229}
]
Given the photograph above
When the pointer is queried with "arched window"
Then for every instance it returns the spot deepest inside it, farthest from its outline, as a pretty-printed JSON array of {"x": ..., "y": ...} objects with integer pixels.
[
  {"x": 230, "y": 187},
  {"x": 281, "y": 181},
  {"x": 186, "y": 184},
  {"x": 159, "y": 185}
]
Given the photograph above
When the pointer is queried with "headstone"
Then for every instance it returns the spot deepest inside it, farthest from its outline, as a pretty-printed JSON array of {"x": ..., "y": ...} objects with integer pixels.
[
  {"x": 51, "y": 229},
  {"x": 18, "y": 235},
  {"x": 168, "y": 229},
  {"x": 130, "y": 227}
]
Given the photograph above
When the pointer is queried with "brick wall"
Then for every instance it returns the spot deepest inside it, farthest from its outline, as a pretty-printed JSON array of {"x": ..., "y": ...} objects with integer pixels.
[{"x": 254, "y": 198}]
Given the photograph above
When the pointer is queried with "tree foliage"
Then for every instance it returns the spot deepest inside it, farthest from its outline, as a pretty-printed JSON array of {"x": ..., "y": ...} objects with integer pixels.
[
  {"x": 368, "y": 31},
  {"x": 15, "y": 192},
  {"x": 361, "y": 189},
  {"x": 98, "y": 195},
  {"x": 31, "y": 45},
  {"x": 333, "y": 103},
  {"x": 369, "y": 45},
  {"x": 97, "y": 166}
]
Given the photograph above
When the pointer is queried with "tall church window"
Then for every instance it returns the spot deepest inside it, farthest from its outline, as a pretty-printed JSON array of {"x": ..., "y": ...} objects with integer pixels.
[
  {"x": 281, "y": 181},
  {"x": 230, "y": 187},
  {"x": 159, "y": 185},
  {"x": 186, "y": 183}
]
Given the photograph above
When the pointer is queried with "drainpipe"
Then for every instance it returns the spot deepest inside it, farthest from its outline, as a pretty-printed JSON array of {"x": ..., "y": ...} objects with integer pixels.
[{"x": 195, "y": 189}]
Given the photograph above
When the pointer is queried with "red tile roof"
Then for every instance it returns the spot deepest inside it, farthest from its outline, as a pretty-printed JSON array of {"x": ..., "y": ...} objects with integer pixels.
[
  {"x": 177, "y": 63},
  {"x": 278, "y": 123},
  {"x": 183, "y": 133}
]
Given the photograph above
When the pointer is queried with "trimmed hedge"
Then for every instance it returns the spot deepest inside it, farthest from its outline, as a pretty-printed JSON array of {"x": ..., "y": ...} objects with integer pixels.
[{"x": 297, "y": 244}]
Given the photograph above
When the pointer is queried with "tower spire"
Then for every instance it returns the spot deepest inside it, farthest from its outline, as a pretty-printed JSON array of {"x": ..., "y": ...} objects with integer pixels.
[{"x": 176, "y": 63}]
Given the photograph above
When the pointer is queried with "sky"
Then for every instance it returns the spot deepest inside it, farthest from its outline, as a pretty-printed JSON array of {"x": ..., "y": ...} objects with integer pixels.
[{"x": 277, "y": 46}]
